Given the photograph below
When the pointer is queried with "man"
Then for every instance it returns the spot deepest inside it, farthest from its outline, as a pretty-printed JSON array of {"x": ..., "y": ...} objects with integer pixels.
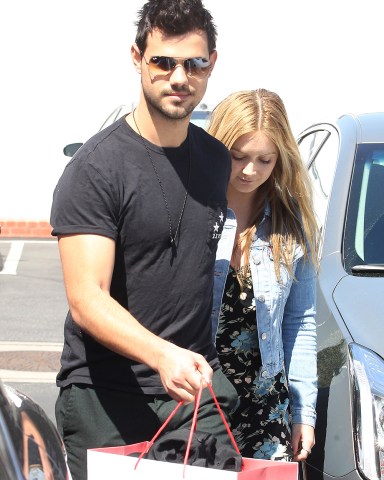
[{"x": 138, "y": 213}]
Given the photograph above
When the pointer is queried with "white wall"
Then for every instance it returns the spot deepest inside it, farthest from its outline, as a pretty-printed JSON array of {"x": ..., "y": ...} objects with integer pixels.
[{"x": 66, "y": 65}]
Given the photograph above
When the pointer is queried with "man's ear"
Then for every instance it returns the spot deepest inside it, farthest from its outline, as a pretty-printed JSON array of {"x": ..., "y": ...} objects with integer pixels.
[
  {"x": 136, "y": 57},
  {"x": 212, "y": 59}
]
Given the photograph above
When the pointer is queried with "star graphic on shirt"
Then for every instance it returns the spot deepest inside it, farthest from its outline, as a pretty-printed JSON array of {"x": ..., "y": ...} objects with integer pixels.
[
  {"x": 216, "y": 227},
  {"x": 221, "y": 216}
]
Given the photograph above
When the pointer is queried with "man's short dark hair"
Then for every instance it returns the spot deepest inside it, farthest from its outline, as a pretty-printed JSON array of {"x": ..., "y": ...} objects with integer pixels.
[{"x": 174, "y": 17}]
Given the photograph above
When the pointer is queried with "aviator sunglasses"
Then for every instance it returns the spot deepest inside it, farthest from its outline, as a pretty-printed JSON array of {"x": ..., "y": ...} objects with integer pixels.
[{"x": 194, "y": 67}]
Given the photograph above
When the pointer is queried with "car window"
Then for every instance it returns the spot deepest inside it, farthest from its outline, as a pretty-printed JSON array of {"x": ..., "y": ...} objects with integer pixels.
[
  {"x": 319, "y": 151},
  {"x": 364, "y": 229},
  {"x": 200, "y": 118}
]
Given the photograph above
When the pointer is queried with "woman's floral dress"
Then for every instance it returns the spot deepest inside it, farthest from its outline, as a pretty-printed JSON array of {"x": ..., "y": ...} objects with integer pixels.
[{"x": 261, "y": 423}]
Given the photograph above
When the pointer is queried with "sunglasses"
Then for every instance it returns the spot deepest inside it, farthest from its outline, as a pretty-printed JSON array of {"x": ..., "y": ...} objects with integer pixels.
[{"x": 194, "y": 67}]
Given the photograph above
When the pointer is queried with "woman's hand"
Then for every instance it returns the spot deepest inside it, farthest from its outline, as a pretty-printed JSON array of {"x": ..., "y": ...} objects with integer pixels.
[{"x": 303, "y": 439}]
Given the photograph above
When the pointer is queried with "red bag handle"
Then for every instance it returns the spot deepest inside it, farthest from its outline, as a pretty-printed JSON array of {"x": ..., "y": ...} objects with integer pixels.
[{"x": 193, "y": 426}]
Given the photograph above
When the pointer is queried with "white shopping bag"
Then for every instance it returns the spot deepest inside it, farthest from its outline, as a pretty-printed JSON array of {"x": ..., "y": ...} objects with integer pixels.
[
  {"x": 128, "y": 462},
  {"x": 115, "y": 463}
]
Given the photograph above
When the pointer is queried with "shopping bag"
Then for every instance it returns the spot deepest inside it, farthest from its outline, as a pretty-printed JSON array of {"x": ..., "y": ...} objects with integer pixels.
[
  {"x": 115, "y": 463},
  {"x": 128, "y": 462}
]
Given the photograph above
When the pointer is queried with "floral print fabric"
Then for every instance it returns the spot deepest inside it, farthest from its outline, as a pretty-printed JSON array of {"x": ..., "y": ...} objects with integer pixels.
[{"x": 261, "y": 423}]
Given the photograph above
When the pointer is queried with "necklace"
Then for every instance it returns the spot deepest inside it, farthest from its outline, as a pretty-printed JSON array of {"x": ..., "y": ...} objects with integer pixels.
[{"x": 172, "y": 236}]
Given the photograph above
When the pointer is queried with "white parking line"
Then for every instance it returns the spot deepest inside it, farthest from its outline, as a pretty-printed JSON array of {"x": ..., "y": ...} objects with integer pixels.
[
  {"x": 13, "y": 376},
  {"x": 31, "y": 346},
  {"x": 47, "y": 241},
  {"x": 13, "y": 258}
]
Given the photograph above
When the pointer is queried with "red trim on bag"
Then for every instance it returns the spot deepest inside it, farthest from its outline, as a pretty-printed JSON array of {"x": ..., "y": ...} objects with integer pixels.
[
  {"x": 149, "y": 444},
  {"x": 193, "y": 427}
]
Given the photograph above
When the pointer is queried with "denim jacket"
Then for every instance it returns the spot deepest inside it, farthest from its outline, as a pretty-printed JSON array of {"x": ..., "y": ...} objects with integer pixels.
[{"x": 285, "y": 315}]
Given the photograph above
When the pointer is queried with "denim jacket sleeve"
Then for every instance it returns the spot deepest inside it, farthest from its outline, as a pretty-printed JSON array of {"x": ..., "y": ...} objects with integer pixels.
[{"x": 299, "y": 340}]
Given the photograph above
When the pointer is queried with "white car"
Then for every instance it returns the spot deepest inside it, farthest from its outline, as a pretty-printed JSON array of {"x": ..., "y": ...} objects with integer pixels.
[
  {"x": 200, "y": 117},
  {"x": 345, "y": 159}
]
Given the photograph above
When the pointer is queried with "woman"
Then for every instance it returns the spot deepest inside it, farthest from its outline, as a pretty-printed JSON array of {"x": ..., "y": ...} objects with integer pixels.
[{"x": 264, "y": 302}]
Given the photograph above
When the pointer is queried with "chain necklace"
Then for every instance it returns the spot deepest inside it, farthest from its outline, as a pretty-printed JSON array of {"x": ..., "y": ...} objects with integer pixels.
[{"x": 172, "y": 236}]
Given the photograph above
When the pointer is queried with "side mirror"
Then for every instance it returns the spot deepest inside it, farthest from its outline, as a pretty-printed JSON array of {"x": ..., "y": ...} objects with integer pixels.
[{"x": 71, "y": 149}]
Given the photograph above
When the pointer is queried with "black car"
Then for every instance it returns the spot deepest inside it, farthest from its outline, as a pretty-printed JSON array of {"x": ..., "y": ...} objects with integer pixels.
[{"x": 30, "y": 446}]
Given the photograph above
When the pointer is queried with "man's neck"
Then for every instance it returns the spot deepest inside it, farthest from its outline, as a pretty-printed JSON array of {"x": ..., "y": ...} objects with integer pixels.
[{"x": 158, "y": 129}]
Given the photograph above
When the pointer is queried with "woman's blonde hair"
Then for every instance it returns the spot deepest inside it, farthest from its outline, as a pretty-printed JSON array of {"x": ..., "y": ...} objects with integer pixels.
[{"x": 288, "y": 189}]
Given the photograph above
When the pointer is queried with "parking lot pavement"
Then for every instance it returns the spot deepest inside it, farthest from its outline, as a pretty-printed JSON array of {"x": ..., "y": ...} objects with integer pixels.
[
  {"x": 31, "y": 368},
  {"x": 33, "y": 309}
]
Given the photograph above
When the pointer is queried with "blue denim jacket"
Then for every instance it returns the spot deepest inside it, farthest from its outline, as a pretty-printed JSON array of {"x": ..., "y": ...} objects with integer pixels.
[{"x": 285, "y": 315}]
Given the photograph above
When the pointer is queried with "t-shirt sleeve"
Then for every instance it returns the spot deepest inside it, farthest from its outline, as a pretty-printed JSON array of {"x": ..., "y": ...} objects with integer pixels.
[{"x": 83, "y": 201}]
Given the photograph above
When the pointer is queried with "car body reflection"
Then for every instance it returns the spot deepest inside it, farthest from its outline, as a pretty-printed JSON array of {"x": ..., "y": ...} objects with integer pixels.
[{"x": 30, "y": 446}]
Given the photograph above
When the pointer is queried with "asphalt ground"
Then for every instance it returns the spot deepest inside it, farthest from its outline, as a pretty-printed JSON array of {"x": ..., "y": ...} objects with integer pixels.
[{"x": 33, "y": 307}]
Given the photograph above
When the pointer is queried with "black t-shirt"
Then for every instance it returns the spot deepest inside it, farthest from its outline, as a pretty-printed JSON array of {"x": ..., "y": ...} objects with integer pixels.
[{"x": 110, "y": 188}]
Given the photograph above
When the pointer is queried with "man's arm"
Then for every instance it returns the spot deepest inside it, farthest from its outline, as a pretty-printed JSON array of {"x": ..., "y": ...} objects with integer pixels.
[{"x": 87, "y": 262}]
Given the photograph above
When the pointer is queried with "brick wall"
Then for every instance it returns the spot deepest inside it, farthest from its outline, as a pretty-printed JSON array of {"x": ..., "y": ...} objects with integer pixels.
[{"x": 23, "y": 229}]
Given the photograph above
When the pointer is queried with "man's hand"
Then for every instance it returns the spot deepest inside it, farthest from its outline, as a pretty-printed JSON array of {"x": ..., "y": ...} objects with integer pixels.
[{"x": 182, "y": 372}]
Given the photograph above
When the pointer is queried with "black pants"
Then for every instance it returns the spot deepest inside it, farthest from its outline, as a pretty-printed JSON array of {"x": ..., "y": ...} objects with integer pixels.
[{"x": 89, "y": 417}]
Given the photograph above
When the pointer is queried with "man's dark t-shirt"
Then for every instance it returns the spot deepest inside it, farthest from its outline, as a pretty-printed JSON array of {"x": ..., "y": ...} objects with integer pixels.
[{"x": 110, "y": 188}]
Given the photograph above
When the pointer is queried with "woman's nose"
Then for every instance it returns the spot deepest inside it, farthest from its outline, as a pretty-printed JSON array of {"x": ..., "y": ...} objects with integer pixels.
[{"x": 249, "y": 169}]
